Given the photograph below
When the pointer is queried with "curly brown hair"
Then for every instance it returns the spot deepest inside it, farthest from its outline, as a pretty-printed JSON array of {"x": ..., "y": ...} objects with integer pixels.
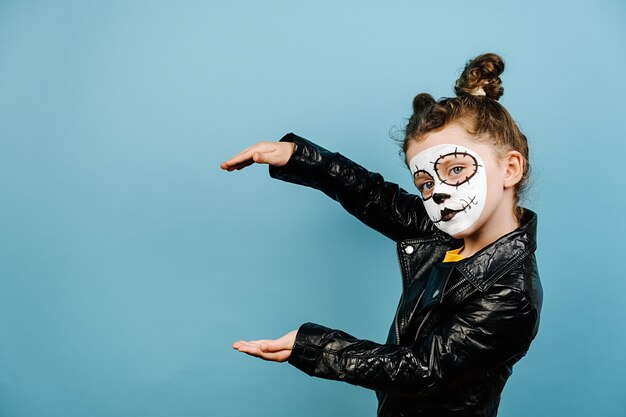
[{"x": 477, "y": 109}]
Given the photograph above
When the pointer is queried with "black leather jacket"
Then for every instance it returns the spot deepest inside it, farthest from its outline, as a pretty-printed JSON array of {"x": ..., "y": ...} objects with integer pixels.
[{"x": 455, "y": 337}]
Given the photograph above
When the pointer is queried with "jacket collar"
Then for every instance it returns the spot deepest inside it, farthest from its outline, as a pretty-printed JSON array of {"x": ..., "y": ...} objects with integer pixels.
[{"x": 494, "y": 260}]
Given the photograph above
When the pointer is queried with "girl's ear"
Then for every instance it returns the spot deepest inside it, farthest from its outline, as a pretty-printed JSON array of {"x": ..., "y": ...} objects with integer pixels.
[{"x": 513, "y": 164}]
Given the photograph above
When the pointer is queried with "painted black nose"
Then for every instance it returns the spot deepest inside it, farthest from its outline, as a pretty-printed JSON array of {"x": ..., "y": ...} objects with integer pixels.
[{"x": 440, "y": 197}]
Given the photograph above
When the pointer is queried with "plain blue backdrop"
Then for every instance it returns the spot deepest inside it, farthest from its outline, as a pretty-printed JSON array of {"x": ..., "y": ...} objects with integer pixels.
[{"x": 130, "y": 262}]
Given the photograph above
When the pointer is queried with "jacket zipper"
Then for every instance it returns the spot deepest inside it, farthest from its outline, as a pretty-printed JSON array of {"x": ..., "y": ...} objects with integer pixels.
[
  {"x": 461, "y": 281},
  {"x": 395, "y": 318}
]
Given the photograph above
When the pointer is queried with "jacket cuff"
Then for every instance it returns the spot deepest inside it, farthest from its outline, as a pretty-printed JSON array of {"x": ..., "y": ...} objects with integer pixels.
[
  {"x": 308, "y": 347},
  {"x": 306, "y": 156}
]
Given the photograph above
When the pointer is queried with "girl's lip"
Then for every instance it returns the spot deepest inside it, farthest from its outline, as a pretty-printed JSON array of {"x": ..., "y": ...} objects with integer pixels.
[{"x": 447, "y": 214}]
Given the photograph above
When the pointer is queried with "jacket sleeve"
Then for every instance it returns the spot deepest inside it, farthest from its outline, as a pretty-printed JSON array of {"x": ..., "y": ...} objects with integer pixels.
[
  {"x": 487, "y": 332},
  {"x": 381, "y": 205}
]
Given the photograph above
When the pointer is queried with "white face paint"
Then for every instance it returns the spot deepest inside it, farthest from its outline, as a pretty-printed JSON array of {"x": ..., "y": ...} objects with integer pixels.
[{"x": 453, "y": 184}]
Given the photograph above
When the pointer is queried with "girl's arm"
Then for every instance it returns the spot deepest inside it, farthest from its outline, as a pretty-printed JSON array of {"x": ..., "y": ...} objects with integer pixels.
[
  {"x": 382, "y": 205},
  {"x": 493, "y": 328}
]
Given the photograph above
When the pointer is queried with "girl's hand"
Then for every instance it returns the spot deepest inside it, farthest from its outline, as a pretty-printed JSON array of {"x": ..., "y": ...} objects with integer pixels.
[
  {"x": 277, "y": 350},
  {"x": 273, "y": 153}
]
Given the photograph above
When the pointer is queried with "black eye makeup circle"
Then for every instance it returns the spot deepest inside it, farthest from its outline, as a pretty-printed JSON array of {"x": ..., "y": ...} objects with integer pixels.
[{"x": 447, "y": 167}]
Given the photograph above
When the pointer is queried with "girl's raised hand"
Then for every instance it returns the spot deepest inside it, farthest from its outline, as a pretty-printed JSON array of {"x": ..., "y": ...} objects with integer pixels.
[
  {"x": 277, "y": 350},
  {"x": 273, "y": 153}
]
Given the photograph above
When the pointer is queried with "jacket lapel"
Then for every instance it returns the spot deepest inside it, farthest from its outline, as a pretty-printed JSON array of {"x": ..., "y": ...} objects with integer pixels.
[{"x": 493, "y": 261}]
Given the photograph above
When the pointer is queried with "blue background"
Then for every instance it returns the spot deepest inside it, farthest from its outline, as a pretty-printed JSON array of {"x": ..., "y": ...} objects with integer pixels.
[{"x": 130, "y": 262}]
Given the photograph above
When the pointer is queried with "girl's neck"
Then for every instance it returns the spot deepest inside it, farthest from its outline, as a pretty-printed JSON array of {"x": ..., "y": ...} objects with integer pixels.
[{"x": 501, "y": 222}]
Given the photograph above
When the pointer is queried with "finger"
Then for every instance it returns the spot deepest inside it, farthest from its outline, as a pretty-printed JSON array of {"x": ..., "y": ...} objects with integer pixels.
[
  {"x": 237, "y": 159},
  {"x": 263, "y": 345},
  {"x": 270, "y": 157},
  {"x": 242, "y": 156},
  {"x": 259, "y": 146},
  {"x": 266, "y": 345},
  {"x": 272, "y": 346},
  {"x": 240, "y": 343},
  {"x": 248, "y": 152},
  {"x": 280, "y": 356},
  {"x": 260, "y": 157},
  {"x": 240, "y": 165},
  {"x": 282, "y": 343},
  {"x": 254, "y": 350}
]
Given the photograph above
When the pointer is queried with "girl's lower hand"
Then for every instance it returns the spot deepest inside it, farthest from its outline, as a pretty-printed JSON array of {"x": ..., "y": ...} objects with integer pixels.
[
  {"x": 277, "y": 350},
  {"x": 273, "y": 153}
]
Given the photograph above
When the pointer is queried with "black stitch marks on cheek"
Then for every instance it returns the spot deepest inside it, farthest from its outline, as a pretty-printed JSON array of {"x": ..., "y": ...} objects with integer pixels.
[
  {"x": 468, "y": 205},
  {"x": 472, "y": 201}
]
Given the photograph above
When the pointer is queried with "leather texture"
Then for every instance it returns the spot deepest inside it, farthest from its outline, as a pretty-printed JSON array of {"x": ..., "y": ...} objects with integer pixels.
[{"x": 458, "y": 329}]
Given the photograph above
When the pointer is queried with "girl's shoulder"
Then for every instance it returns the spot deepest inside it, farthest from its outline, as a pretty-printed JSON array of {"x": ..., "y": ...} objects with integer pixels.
[{"x": 523, "y": 278}]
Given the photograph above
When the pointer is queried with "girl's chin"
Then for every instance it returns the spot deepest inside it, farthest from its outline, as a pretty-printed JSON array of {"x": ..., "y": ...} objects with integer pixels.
[
  {"x": 465, "y": 232},
  {"x": 460, "y": 235}
]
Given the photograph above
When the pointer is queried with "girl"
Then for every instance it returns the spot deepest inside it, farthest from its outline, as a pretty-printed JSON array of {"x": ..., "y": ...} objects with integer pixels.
[{"x": 471, "y": 296}]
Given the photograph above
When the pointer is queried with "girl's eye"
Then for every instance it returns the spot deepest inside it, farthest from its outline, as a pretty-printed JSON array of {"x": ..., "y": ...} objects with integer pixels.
[
  {"x": 426, "y": 189},
  {"x": 427, "y": 185},
  {"x": 456, "y": 170}
]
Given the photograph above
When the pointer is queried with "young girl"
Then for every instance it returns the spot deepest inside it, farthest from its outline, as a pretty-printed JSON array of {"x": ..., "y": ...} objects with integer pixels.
[{"x": 471, "y": 296}]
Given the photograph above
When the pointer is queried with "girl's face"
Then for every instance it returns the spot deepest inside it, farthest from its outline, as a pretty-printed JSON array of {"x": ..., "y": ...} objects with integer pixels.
[{"x": 458, "y": 179}]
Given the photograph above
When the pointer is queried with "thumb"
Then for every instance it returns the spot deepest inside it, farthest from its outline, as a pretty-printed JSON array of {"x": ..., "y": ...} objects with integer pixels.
[
  {"x": 258, "y": 157},
  {"x": 271, "y": 346},
  {"x": 272, "y": 157}
]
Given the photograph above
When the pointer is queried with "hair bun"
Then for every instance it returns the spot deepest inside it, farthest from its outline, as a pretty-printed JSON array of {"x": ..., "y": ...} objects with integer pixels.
[
  {"x": 422, "y": 102},
  {"x": 481, "y": 76}
]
